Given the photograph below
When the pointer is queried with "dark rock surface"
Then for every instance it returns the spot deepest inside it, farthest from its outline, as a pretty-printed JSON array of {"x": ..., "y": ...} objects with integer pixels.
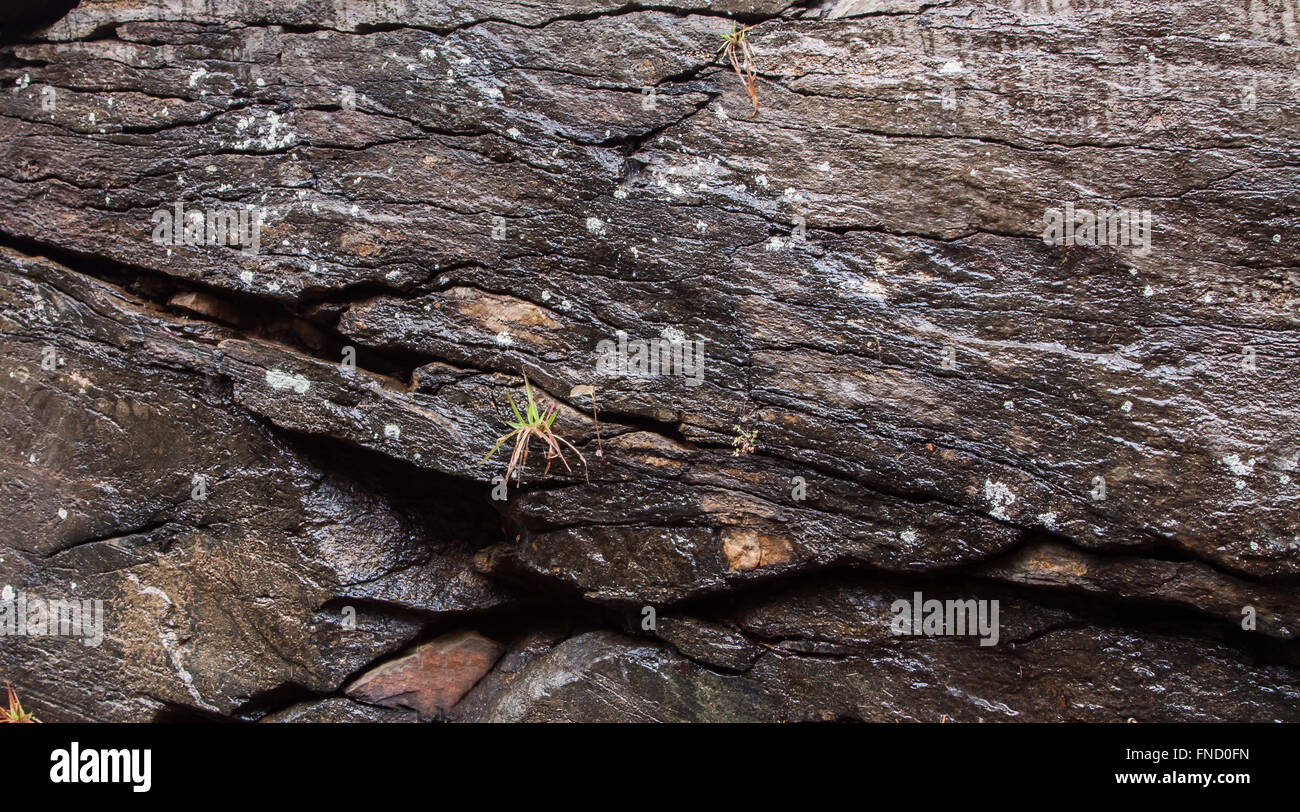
[
  {"x": 459, "y": 194},
  {"x": 339, "y": 709}
]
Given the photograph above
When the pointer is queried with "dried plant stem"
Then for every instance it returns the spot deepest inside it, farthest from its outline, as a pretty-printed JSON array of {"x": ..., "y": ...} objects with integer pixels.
[{"x": 742, "y": 64}]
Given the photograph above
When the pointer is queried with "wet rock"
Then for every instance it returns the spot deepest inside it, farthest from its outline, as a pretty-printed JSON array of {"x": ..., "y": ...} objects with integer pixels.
[
  {"x": 209, "y": 306},
  {"x": 605, "y": 677},
  {"x": 1066, "y": 674},
  {"x": 267, "y": 458},
  {"x": 339, "y": 709},
  {"x": 431, "y": 679},
  {"x": 1270, "y": 609},
  {"x": 709, "y": 644},
  {"x": 518, "y": 655},
  {"x": 229, "y": 561}
]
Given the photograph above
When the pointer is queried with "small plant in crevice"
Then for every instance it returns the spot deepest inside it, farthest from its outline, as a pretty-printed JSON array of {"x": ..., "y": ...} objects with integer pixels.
[
  {"x": 534, "y": 421},
  {"x": 746, "y": 439},
  {"x": 736, "y": 48},
  {"x": 15, "y": 712}
]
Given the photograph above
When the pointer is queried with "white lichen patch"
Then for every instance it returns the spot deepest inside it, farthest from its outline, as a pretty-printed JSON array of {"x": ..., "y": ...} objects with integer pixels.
[
  {"x": 1000, "y": 498},
  {"x": 794, "y": 196},
  {"x": 393, "y": 431},
  {"x": 1047, "y": 519},
  {"x": 279, "y": 379},
  {"x": 672, "y": 187},
  {"x": 275, "y": 134},
  {"x": 1237, "y": 467},
  {"x": 596, "y": 226}
]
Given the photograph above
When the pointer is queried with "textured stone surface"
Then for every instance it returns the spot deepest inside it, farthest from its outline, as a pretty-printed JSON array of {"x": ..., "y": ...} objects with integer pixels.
[
  {"x": 431, "y": 679},
  {"x": 1067, "y": 674},
  {"x": 464, "y": 193},
  {"x": 338, "y": 709}
]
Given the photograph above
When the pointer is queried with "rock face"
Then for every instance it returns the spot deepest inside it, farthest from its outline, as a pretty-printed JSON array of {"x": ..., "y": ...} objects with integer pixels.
[
  {"x": 433, "y": 678},
  {"x": 990, "y": 301}
]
